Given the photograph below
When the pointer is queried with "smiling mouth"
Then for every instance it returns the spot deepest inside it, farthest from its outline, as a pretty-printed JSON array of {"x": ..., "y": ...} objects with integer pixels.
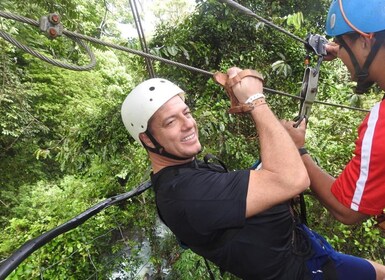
[{"x": 188, "y": 137}]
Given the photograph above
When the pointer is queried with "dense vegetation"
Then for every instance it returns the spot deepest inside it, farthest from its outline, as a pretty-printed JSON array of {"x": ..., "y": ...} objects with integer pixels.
[{"x": 63, "y": 147}]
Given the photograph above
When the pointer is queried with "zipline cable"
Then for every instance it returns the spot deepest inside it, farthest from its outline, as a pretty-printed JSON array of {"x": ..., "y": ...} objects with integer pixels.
[
  {"x": 27, "y": 49},
  {"x": 7, "y": 266},
  {"x": 93, "y": 40},
  {"x": 140, "y": 53},
  {"x": 142, "y": 39},
  {"x": 248, "y": 12}
]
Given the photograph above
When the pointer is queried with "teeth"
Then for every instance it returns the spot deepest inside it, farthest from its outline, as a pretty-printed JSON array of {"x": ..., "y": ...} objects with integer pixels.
[{"x": 189, "y": 137}]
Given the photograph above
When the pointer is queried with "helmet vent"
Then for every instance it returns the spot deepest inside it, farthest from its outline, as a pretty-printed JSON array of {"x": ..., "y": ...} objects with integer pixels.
[
  {"x": 332, "y": 21},
  {"x": 152, "y": 88}
]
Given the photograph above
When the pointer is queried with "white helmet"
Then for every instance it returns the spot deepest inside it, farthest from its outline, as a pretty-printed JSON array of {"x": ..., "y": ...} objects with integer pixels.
[{"x": 143, "y": 101}]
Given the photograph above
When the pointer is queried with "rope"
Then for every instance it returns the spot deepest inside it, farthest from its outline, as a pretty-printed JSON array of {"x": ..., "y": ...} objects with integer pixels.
[
  {"x": 161, "y": 59},
  {"x": 248, "y": 12}
]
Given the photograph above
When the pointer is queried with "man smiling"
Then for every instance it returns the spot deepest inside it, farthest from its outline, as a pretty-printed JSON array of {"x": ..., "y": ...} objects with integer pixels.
[{"x": 240, "y": 220}]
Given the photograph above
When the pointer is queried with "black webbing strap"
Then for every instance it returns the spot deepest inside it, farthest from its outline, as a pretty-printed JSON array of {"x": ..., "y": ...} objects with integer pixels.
[
  {"x": 302, "y": 205},
  {"x": 360, "y": 73},
  {"x": 209, "y": 157},
  {"x": 159, "y": 149},
  {"x": 363, "y": 73},
  {"x": 329, "y": 270}
]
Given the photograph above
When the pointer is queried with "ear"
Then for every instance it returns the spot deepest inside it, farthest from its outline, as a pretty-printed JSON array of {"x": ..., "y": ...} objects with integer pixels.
[
  {"x": 367, "y": 42},
  {"x": 144, "y": 138}
]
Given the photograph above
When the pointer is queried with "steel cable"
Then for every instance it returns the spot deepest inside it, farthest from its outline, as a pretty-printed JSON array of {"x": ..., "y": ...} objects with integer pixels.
[
  {"x": 248, "y": 12},
  {"x": 161, "y": 59},
  {"x": 27, "y": 49}
]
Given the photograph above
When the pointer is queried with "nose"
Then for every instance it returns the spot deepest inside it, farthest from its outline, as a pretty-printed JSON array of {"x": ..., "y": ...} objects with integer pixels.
[{"x": 188, "y": 122}]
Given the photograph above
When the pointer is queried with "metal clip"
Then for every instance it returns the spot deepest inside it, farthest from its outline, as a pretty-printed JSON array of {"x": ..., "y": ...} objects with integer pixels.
[
  {"x": 308, "y": 92},
  {"x": 51, "y": 25},
  {"x": 316, "y": 44}
]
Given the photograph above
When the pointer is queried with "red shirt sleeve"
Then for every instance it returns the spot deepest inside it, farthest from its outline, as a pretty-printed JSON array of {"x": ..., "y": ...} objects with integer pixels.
[{"x": 361, "y": 185}]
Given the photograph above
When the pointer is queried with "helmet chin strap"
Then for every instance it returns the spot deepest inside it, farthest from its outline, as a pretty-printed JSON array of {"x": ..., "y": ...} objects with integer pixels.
[
  {"x": 159, "y": 149},
  {"x": 362, "y": 74}
]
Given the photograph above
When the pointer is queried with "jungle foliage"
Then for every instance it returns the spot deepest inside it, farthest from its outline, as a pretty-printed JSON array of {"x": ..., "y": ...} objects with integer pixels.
[{"x": 63, "y": 147}]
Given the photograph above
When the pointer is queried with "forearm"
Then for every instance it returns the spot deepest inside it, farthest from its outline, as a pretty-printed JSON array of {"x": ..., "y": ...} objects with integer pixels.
[
  {"x": 278, "y": 152},
  {"x": 321, "y": 183},
  {"x": 320, "y": 180}
]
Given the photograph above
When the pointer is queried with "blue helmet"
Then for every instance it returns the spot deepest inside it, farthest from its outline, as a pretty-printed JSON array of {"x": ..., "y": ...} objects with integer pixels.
[{"x": 364, "y": 15}]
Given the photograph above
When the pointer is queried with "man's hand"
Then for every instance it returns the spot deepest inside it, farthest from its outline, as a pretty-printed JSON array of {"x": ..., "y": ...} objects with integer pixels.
[
  {"x": 332, "y": 50},
  {"x": 296, "y": 133},
  {"x": 247, "y": 87}
]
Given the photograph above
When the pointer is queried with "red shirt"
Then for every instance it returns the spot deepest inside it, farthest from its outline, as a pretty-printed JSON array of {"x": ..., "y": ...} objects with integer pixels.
[{"x": 361, "y": 185}]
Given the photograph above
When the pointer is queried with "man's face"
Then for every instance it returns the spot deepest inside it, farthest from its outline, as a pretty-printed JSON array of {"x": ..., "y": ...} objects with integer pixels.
[
  {"x": 359, "y": 52},
  {"x": 175, "y": 129},
  {"x": 344, "y": 56}
]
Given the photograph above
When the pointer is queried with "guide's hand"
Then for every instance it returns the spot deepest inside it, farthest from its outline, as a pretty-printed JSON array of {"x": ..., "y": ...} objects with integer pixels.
[
  {"x": 296, "y": 133},
  {"x": 332, "y": 50}
]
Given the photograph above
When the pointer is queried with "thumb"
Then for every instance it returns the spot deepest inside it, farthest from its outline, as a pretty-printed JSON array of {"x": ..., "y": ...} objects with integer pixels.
[{"x": 303, "y": 123}]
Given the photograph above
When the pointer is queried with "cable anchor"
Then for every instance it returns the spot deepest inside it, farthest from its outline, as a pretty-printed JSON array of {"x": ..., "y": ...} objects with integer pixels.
[{"x": 51, "y": 25}]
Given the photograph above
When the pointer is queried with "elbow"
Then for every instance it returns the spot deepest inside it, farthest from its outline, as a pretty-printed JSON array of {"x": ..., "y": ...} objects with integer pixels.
[
  {"x": 306, "y": 182},
  {"x": 348, "y": 216},
  {"x": 346, "y": 220},
  {"x": 302, "y": 181}
]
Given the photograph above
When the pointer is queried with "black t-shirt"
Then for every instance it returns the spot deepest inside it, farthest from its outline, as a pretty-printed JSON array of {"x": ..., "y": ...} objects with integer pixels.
[{"x": 206, "y": 209}]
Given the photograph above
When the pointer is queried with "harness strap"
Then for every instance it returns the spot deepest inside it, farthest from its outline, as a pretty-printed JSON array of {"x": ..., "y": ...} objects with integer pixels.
[
  {"x": 159, "y": 148},
  {"x": 209, "y": 157},
  {"x": 362, "y": 73}
]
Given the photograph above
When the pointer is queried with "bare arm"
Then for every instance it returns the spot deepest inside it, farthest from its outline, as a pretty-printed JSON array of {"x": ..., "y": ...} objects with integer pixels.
[
  {"x": 321, "y": 181},
  {"x": 283, "y": 174}
]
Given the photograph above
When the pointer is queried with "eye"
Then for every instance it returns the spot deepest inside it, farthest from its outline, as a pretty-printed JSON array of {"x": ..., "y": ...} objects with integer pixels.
[{"x": 170, "y": 122}]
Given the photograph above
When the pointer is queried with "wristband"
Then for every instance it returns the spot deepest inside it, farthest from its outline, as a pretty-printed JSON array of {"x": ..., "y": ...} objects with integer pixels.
[
  {"x": 255, "y": 97},
  {"x": 302, "y": 151}
]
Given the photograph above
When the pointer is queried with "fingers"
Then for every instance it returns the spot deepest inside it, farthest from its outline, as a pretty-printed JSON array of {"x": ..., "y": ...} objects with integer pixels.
[
  {"x": 246, "y": 87},
  {"x": 296, "y": 133},
  {"x": 233, "y": 71},
  {"x": 288, "y": 124},
  {"x": 303, "y": 123},
  {"x": 332, "y": 51},
  {"x": 300, "y": 121},
  {"x": 298, "y": 125}
]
